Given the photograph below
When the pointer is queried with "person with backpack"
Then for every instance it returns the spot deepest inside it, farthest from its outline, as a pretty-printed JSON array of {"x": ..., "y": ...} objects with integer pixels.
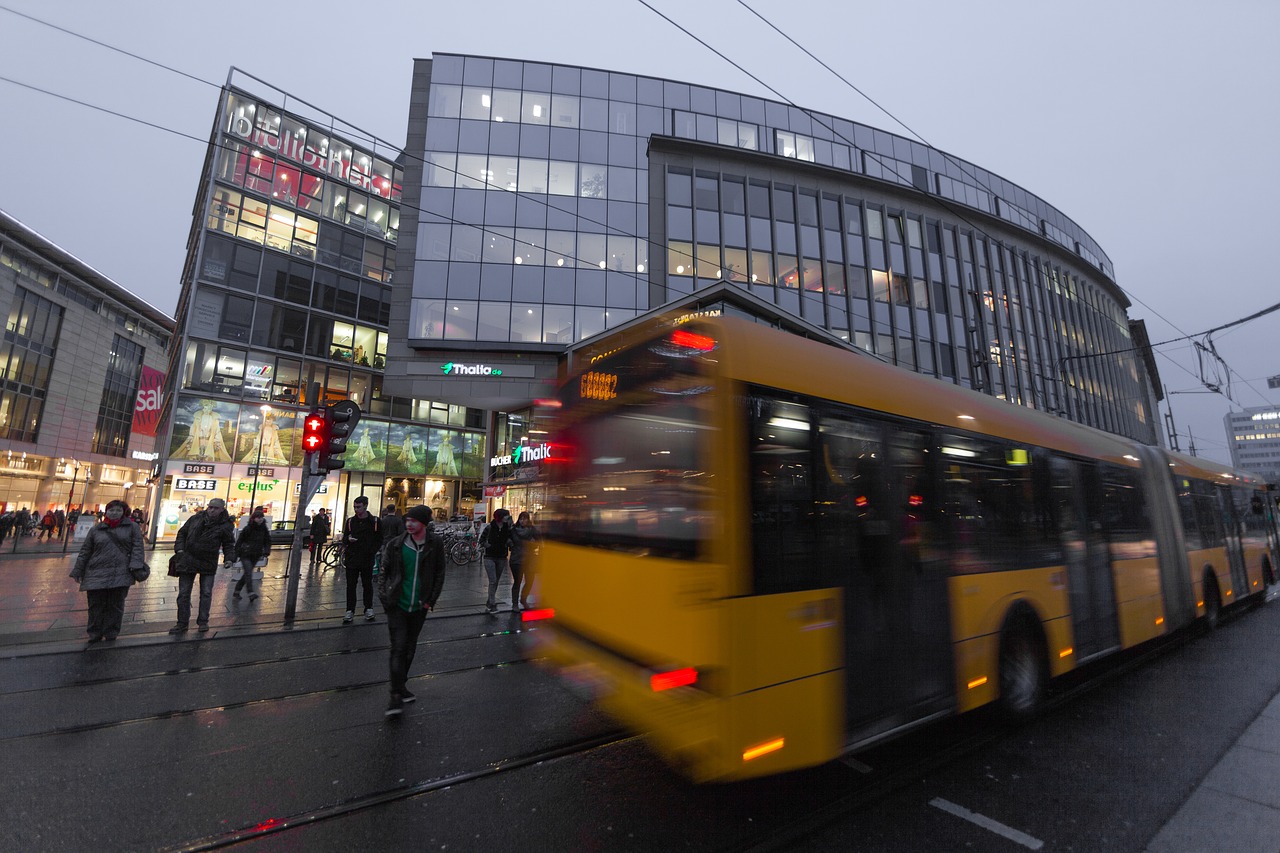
[
  {"x": 195, "y": 550},
  {"x": 495, "y": 545},
  {"x": 361, "y": 540},
  {"x": 409, "y": 584},
  {"x": 110, "y": 561}
]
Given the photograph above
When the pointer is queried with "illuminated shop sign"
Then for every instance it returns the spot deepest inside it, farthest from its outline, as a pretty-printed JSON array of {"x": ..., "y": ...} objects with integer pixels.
[
  {"x": 524, "y": 453},
  {"x": 143, "y": 456},
  {"x": 1266, "y": 416},
  {"x": 186, "y": 484},
  {"x": 455, "y": 369},
  {"x": 194, "y": 468},
  {"x": 340, "y": 161}
]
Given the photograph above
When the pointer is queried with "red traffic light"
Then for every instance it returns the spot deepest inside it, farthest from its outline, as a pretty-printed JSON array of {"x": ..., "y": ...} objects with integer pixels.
[{"x": 315, "y": 432}]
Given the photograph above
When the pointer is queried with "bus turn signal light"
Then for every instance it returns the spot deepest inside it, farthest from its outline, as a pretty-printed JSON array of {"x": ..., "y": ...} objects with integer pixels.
[
  {"x": 764, "y": 748},
  {"x": 660, "y": 681},
  {"x": 537, "y": 614}
]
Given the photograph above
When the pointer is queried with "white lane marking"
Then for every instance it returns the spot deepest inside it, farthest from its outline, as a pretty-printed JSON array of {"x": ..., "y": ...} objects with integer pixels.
[{"x": 987, "y": 823}]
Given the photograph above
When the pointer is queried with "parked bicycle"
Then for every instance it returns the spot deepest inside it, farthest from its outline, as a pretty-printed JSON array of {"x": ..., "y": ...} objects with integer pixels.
[{"x": 333, "y": 553}]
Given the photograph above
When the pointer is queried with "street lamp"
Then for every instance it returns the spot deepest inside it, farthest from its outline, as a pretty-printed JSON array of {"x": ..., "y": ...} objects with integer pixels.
[
  {"x": 66, "y": 528},
  {"x": 253, "y": 495}
]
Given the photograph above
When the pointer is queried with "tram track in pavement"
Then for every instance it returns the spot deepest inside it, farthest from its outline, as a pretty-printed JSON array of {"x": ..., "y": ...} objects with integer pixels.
[
  {"x": 399, "y": 793},
  {"x": 240, "y": 665},
  {"x": 264, "y": 661}
]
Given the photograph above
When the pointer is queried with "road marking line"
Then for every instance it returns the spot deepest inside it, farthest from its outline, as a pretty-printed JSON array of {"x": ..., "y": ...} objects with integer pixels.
[
  {"x": 855, "y": 764},
  {"x": 987, "y": 823}
]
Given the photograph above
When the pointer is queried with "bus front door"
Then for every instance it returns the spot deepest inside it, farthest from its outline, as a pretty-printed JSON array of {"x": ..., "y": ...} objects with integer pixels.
[{"x": 1090, "y": 584}]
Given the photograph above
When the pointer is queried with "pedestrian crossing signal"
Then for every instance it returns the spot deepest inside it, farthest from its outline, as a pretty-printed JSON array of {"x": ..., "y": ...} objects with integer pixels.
[{"x": 315, "y": 431}]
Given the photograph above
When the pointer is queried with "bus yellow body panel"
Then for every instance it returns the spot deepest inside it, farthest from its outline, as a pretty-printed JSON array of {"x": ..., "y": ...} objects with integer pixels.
[
  {"x": 1253, "y": 557},
  {"x": 1139, "y": 600}
]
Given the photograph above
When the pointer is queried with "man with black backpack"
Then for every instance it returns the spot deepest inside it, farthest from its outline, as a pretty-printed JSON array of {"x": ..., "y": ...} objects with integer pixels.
[{"x": 495, "y": 545}]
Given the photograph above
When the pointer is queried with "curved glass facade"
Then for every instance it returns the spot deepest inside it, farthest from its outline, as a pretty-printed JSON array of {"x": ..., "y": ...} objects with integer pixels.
[{"x": 556, "y": 202}]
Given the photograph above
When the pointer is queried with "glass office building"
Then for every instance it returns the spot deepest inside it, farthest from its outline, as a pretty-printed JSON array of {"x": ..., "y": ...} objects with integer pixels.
[
  {"x": 1255, "y": 441},
  {"x": 288, "y": 284},
  {"x": 544, "y": 204}
]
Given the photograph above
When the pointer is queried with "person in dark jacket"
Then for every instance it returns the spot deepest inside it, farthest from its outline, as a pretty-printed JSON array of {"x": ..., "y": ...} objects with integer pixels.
[
  {"x": 110, "y": 561},
  {"x": 524, "y": 540},
  {"x": 495, "y": 544},
  {"x": 252, "y": 545},
  {"x": 361, "y": 539},
  {"x": 320, "y": 528},
  {"x": 391, "y": 523},
  {"x": 200, "y": 540},
  {"x": 409, "y": 584}
]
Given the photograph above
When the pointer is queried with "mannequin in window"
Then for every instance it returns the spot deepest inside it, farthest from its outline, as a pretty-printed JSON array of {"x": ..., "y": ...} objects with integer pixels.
[
  {"x": 408, "y": 455},
  {"x": 445, "y": 464},
  {"x": 364, "y": 450},
  {"x": 205, "y": 443},
  {"x": 269, "y": 441}
]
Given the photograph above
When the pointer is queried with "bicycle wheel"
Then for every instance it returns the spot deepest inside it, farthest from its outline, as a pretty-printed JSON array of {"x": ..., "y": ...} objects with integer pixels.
[
  {"x": 332, "y": 555},
  {"x": 462, "y": 553}
]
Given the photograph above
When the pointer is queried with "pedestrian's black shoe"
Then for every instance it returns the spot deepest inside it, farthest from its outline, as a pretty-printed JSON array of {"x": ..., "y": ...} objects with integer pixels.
[
  {"x": 180, "y": 628},
  {"x": 395, "y": 707},
  {"x": 93, "y": 638},
  {"x": 202, "y": 627},
  {"x": 407, "y": 697}
]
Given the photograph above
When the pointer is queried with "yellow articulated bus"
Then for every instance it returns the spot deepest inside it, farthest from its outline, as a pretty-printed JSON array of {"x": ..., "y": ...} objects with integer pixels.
[{"x": 766, "y": 551}]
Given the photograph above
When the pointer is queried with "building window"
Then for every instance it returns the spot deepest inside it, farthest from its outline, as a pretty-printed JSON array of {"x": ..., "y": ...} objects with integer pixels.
[
  {"x": 119, "y": 391},
  {"x": 26, "y": 356}
]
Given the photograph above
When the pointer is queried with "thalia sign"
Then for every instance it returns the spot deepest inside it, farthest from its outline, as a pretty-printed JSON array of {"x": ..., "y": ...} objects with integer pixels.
[
  {"x": 455, "y": 369},
  {"x": 524, "y": 453}
]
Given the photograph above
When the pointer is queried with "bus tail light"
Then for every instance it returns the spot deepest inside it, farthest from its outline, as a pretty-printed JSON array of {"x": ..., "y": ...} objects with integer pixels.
[
  {"x": 537, "y": 614},
  {"x": 660, "y": 681}
]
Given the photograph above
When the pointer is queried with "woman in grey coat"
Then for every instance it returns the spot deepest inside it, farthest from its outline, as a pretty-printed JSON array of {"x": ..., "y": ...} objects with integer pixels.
[{"x": 110, "y": 560}]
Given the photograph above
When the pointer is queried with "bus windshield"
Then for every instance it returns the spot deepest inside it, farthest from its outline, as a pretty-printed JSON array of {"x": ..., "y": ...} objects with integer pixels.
[{"x": 628, "y": 470}]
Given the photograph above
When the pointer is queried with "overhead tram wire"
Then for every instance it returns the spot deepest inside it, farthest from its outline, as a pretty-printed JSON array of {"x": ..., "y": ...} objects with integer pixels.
[
  {"x": 370, "y": 137},
  {"x": 820, "y": 119},
  {"x": 429, "y": 213},
  {"x": 964, "y": 167},
  {"x": 960, "y": 215},
  {"x": 533, "y": 197}
]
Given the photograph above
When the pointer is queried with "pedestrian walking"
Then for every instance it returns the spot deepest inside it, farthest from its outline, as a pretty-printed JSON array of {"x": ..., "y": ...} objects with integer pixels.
[
  {"x": 253, "y": 544},
  {"x": 110, "y": 561},
  {"x": 47, "y": 525},
  {"x": 361, "y": 539},
  {"x": 320, "y": 528},
  {"x": 495, "y": 544},
  {"x": 524, "y": 542},
  {"x": 59, "y": 521},
  {"x": 6, "y": 524},
  {"x": 409, "y": 583},
  {"x": 200, "y": 540},
  {"x": 392, "y": 523}
]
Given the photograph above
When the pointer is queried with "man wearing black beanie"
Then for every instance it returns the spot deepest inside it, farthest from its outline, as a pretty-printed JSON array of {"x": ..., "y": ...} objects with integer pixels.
[{"x": 409, "y": 583}]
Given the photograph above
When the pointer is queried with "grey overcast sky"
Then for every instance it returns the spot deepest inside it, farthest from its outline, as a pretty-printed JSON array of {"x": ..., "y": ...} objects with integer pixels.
[{"x": 1151, "y": 123}]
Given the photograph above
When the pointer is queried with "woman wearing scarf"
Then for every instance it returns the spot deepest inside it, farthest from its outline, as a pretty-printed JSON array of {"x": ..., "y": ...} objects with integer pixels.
[{"x": 110, "y": 561}]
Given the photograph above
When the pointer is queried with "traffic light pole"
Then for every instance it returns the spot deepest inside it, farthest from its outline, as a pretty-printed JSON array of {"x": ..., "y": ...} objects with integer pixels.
[{"x": 310, "y": 485}]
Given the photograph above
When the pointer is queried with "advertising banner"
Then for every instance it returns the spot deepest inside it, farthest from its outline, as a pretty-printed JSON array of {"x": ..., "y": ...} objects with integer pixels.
[{"x": 146, "y": 410}]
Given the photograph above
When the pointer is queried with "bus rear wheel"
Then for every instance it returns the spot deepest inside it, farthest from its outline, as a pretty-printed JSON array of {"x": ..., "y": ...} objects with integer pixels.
[
  {"x": 1212, "y": 602},
  {"x": 1024, "y": 674}
]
